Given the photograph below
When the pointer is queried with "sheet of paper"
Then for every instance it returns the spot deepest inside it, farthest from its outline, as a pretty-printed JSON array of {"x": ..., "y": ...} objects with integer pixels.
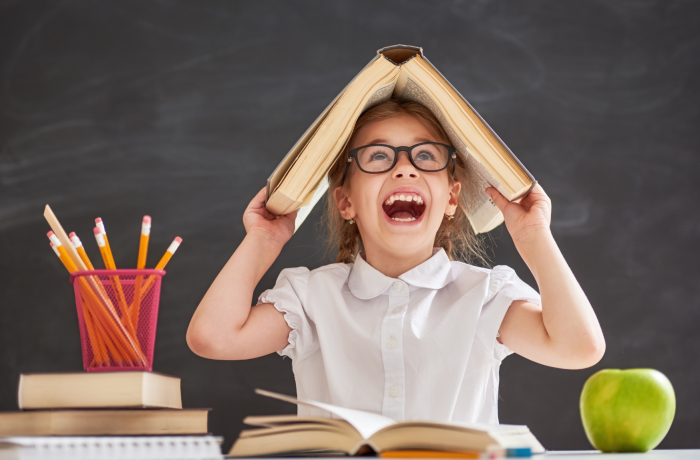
[{"x": 364, "y": 422}]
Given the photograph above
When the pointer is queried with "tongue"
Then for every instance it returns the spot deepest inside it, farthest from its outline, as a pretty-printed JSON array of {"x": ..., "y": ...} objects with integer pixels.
[{"x": 401, "y": 215}]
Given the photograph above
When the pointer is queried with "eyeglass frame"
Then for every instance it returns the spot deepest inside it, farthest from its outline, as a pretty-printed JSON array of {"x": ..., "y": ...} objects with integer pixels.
[{"x": 353, "y": 154}]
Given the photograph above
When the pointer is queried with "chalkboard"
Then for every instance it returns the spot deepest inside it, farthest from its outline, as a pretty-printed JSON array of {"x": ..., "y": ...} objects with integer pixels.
[{"x": 182, "y": 109}]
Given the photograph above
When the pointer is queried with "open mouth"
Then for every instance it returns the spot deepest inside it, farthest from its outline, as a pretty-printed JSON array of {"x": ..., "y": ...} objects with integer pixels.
[{"x": 404, "y": 207}]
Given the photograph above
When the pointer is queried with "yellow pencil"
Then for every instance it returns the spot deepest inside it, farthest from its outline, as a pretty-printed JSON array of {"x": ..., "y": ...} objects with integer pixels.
[
  {"x": 143, "y": 244},
  {"x": 169, "y": 253},
  {"x": 108, "y": 258},
  {"x": 101, "y": 226},
  {"x": 78, "y": 245},
  {"x": 161, "y": 265},
  {"x": 95, "y": 345},
  {"x": 62, "y": 254},
  {"x": 116, "y": 284},
  {"x": 140, "y": 265}
]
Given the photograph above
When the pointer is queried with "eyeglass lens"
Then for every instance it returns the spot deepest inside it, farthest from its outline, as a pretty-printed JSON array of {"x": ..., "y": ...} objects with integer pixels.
[{"x": 377, "y": 158}]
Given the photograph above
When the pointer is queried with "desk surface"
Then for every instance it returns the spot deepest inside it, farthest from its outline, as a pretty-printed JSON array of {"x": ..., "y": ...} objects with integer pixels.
[{"x": 670, "y": 454}]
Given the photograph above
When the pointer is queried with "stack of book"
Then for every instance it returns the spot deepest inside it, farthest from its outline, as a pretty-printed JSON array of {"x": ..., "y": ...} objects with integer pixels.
[{"x": 105, "y": 415}]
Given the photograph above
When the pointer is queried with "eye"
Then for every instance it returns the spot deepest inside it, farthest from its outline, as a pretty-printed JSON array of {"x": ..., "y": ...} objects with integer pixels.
[
  {"x": 379, "y": 156},
  {"x": 424, "y": 155}
]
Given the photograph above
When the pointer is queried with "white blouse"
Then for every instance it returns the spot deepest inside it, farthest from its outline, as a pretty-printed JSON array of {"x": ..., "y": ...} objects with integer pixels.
[{"x": 422, "y": 346}]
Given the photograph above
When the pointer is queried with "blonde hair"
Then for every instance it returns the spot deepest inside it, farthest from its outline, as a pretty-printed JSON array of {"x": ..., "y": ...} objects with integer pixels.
[{"x": 455, "y": 236}]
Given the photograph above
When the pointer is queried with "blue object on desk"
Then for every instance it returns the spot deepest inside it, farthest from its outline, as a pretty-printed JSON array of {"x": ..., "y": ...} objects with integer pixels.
[{"x": 519, "y": 452}]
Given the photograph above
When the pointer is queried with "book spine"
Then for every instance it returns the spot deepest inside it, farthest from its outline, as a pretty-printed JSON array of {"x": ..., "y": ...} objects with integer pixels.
[{"x": 400, "y": 47}]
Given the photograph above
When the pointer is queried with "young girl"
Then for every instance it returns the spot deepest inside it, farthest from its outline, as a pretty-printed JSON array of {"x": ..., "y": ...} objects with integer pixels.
[{"x": 401, "y": 328}]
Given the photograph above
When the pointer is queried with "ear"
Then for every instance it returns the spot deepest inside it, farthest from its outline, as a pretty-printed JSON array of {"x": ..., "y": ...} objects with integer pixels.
[
  {"x": 342, "y": 200},
  {"x": 452, "y": 202}
]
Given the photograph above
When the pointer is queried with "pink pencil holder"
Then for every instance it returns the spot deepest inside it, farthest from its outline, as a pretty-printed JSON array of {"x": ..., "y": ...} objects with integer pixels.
[{"x": 117, "y": 314}]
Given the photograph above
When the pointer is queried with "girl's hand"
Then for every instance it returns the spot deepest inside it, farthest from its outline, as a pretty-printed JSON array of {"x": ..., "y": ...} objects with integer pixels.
[
  {"x": 257, "y": 219},
  {"x": 527, "y": 218}
]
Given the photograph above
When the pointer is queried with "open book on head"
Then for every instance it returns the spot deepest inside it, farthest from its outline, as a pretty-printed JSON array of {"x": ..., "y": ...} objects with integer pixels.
[
  {"x": 403, "y": 72},
  {"x": 355, "y": 432}
]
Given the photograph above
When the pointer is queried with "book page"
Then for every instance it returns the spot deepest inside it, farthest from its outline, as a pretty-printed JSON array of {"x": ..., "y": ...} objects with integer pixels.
[
  {"x": 482, "y": 141},
  {"x": 310, "y": 202},
  {"x": 365, "y": 423},
  {"x": 285, "y": 165},
  {"x": 383, "y": 94},
  {"x": 323, "y": 146},
  {"x": 482, "y": 211}
]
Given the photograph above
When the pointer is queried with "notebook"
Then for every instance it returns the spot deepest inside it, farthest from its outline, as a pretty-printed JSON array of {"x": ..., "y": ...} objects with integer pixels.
[{"x": 112, "y": 447}]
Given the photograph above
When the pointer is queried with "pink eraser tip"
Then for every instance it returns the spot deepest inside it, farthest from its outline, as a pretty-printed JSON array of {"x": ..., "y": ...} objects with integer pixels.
[
  {"x": 96, "y": 230},
  {"x": 50, "y": 234},
  {"x": 178, "y": 239},
  {"x": 98, "y": 220},
  {"x": 71, "y": 235},
  {"x": 146, "y": 219}
]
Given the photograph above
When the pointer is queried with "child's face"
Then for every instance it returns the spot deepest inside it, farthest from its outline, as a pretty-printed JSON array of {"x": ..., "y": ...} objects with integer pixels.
[{"x": 389, "y": 228}]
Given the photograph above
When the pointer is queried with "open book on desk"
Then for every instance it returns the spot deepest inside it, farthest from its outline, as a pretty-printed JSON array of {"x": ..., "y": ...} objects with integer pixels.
[{"x": 357, "y": 432}]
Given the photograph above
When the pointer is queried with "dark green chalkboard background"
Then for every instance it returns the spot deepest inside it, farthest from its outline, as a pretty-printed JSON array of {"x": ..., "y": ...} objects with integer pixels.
[{"x": 181, "y": 110}]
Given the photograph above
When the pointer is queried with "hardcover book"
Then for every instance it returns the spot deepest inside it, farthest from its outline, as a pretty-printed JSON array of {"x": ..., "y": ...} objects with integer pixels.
[
  {"x": 354, "y": 432},
  {"x": 403, "y": 72},
  {"x": 126, "y": 389},
  {"x": 103, "y": 422}
]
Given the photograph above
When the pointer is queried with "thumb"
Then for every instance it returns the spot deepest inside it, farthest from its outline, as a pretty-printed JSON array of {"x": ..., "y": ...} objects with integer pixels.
[
  {"x": 500, "y": 201},
  {"x": 292, "y": 215}
]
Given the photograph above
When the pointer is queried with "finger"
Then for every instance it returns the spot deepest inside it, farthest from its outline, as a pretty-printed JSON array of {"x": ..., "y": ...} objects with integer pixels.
[
  {"x": 500, "y": 201},
  {"x": 536, "y": 194},
  {"x": 259, "y": 200},
  {"x": 292, "y": 215}
]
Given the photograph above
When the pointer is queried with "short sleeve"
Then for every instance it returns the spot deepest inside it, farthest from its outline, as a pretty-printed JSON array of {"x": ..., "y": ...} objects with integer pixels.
[
  {"x": 289, "y": 296},
  {"x": 504, "y": 288}
]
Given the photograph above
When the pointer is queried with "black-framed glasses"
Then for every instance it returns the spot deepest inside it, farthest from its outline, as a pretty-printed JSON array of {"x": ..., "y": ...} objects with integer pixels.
[{"x": 380, "y": 158}]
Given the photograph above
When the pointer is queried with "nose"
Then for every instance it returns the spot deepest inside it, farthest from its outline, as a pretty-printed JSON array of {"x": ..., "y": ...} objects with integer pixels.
[{"x": 404, "y": 167}]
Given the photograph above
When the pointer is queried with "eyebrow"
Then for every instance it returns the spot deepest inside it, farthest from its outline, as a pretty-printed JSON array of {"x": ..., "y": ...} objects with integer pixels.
[{"x": 417, "y": 140}]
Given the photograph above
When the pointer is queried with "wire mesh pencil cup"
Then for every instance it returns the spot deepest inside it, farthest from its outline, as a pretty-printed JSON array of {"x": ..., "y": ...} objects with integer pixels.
[{"x": 117, "y": 314}]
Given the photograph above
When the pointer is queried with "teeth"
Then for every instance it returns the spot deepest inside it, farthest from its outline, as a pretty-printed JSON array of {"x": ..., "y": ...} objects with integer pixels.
[
  {"x": 403, "y": 197},
  {"x": 408, "y": 219}
]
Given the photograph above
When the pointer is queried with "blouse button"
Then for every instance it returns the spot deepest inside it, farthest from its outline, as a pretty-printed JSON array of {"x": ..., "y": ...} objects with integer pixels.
[
  {"x": 391, "y": 343},
  {"x": 394, "y": 391},
  {"x": 398, "y": 309},
  {"x": 398, "y": 286}
]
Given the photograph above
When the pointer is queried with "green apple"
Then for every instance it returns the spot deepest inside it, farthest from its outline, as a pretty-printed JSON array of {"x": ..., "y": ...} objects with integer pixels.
[{"x": 627, "y": 410}]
